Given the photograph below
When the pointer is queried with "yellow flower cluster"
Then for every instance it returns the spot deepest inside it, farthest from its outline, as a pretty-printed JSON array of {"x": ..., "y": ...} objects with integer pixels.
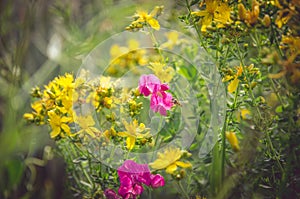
[
  {"x": 216, "y": 11},
  {"x": 125, "y": 58},
  {"x": 142, "y": 18},
  {"x": 54, "y": 103},
  {"x": 54, "y": 106},
  {"x": 234, "y": 77}
]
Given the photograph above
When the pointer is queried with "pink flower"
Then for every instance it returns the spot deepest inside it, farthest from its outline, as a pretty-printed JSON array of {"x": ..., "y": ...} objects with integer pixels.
[
  {"x": 133, "y": 175},
  {"x": 157, "y": 181},
  {"x": 148, "y": 84},
  {"x": 111, "y": 194},
  {"x": 160, "y": 100}
]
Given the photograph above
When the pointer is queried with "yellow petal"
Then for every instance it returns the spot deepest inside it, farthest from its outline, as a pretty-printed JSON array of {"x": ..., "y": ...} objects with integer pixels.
[
  {"x": 130, "y": 142},
  {"x": 154, "y": 23},
  {"x": 159, "y": 164},
  {"x": 183, "y": 164},
  {"x": 55, "y": 132},
  {"x": 171, "y": 168},
  {"x": 66, "y": 128},
  {"x": 278, "y": 75},
  {"x": 244, "y": 113},
  {"x": 232, "y": 139},
  {"x": 123, "y": 134},
  {"x": 233, "y": 85},
  {"x": 90, "y": 132}
]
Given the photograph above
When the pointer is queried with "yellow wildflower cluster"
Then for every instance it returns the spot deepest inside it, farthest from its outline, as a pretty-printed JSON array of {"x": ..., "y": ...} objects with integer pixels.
[
  {"x": 235, "y": 77},
  {"x": 249, "y": 16},
  {"x": 142, "y": 18},
  {"x": 216, "y": 12},
  {"x": 125, "y": 58},
  {"x": 133, "y": 132},
  {"x": 102, "y": 95},
  {"x": 54, "y": 106},
  {"x": 163, "y": 72}
]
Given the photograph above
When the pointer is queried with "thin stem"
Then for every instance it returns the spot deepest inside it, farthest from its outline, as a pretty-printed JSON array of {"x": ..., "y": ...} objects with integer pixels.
[
  {"x": 247, "y": 76},
  {"x": 156, "y": 44},
  {"x": 183, "y": 190},
  {"x": 196, "y": 26}
]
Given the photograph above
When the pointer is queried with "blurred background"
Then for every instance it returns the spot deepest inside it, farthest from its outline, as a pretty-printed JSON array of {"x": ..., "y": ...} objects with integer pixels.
[{"x": 40, "y": 39}]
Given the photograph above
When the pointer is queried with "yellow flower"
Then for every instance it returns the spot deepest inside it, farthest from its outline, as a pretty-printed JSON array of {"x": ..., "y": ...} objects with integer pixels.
[
  {"x": 133, "y": 131},
  {"x": 250, "y": 17},
  {"x": 86, "y": 123},
  {"x": 37, "y": 115},
  {"x": 216, "y": 11},
  {"x": 172, "y": 37},
  {"x": 163, "y": 72},
  {"x": 143, "y": 17},
  {"x": 245, "y": 113},
  {"x": 233, "y": 85},
  {"x": 232, "y": 139},
  {"x": 285, "y": 14},
  {"x": 66, "y": 82},
  {"x": 169, "y": 160},
  {"x": 59, "y": 124}
]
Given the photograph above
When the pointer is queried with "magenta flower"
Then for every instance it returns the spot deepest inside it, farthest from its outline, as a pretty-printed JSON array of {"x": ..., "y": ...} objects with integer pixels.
[
  {"x": 111, "y": 194},
  {"x": 148, "y": 84},
  {"x": 157, "y": 181},
  {"x": 133, "y": 175},
  {"x": 160, "y": 100}
]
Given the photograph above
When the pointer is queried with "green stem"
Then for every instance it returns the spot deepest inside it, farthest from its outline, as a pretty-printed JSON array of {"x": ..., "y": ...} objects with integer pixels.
[
  {"x": 156, "y": 44},
  {"x": 183, "y": 190},
  {"x": 196, "y": 26},
  {"x": 247, "y": 76}
]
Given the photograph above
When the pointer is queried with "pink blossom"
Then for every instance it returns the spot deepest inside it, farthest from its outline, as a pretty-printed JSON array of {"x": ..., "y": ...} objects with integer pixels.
[
  {"x": 111, "y": 194},
  {"x": 148, "y": 84},
  {"x": 132, "y": 175},
  {"x": 160, "y": 100},
  {"x": 157, "y": 181}
]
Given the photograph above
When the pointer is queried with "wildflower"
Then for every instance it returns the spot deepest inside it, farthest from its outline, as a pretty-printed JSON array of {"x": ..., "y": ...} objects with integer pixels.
[
  {"x": 133, "y": 132},
  {"x": 160, "y": 100},
  {"x": 59, "y": 124},
  {"x": 233, "y": 85},
  {"x": 232, "y": 139},
  {"x": 290, "y": 67},
  {"x": 133, "y": 175},
  {"x": 148, "y": 84},
  {"x": 250, "y": 17},
  {"x": 285, "y": 13},
  {"x": 169, "y": 160},
  {"x": 245, "y": 113},
  {"x": 126, "y": 57},
  {"x": 173, "y": 40},
  {"x": 163, "y": 72},
  {"x": 86, "y": 123},
  {"x": 142, "y": 18},
  {"x": 216, "y": 11},
  {"x": 111, "y": 194},
  {"x": 293, "y": 44},
  {"x": 37, "y": 115}
]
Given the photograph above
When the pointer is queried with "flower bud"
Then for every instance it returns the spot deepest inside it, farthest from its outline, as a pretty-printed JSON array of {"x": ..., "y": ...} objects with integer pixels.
[
  {"x": 266, "y": 21},
  {"x": 157, "y": 181}
]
